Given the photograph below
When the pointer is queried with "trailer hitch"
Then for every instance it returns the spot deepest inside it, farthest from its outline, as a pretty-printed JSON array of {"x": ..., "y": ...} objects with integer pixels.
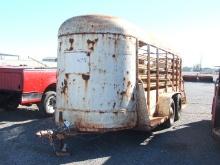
[{"x": 59, "y": 134}]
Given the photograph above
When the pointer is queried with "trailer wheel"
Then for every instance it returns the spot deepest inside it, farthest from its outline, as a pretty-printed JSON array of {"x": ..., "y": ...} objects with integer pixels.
[
  {"x": 48, "y": 103},
  {"x": 171, "y": 119},
  {"x": 178, "y": 105}
]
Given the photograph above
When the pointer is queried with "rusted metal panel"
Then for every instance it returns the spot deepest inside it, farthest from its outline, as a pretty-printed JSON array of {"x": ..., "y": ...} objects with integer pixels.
[
  {"x": 96, "y": 76},
  {"x": 99, "y": 68}
]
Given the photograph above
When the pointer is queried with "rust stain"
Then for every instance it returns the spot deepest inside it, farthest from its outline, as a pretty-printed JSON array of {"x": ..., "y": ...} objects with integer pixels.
[
  {"x": 64, "y": 86},
  {"x": 71, "y": 44},
  {"x": 133, "y": 97},
  {"x": 115, "y": 42},
  {"x": 102, "y": 71},
  {"x": 60, "y": 45},
  {"x": 129, "y": 83},
  {"x": 91, "y": 44},
  {"x": 123, "y": 92},
  {"x": 114, "y": 105},
  {"x": 127, "y": 91},
  {"x": 85, "y": 77},
  {"x": 84, "y": 126},
  {"x": 61, "y": 117}
]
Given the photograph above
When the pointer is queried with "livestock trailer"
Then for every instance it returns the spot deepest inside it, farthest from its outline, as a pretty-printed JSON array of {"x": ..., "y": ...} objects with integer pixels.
[{"x": 111, "y": 78}]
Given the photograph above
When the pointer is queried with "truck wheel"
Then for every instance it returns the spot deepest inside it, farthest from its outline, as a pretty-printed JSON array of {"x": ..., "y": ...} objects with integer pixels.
[
  {"x": 48, "y": 103},
  {"x": 171, "y": 119},
  {"x": 178, "y": 105}
]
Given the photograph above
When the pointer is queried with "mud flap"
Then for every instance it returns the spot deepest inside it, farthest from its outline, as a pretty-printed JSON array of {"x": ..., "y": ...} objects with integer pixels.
[{"x": 143, "y": 122}]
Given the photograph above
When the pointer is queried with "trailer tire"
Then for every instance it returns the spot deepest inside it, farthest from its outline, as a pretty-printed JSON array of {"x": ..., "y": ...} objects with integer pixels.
[
  {"x": 178, "y": 107},
  {"x": 48, "y": 103},
  {"x": 171, "y": 119}
]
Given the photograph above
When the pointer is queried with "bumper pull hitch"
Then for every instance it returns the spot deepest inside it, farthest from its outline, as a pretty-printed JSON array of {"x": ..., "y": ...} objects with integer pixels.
[{"x": 58, "y": 135}]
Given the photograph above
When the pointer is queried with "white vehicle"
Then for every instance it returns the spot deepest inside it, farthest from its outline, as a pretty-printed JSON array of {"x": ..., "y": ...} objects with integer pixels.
[{"x": 111, "y": 78}]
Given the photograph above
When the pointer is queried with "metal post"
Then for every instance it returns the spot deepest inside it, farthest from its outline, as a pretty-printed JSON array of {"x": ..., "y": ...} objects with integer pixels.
[
  {"x": 173, "y": 72},
  {"x": 157, "y": 75},
  {"x": 180, "y": 75},
  {"x": 148, "y": 77},
  {"x": 166, "y": 72},
  {"x": 177, "y": 84},
  {"x": 137, "y": 62}
]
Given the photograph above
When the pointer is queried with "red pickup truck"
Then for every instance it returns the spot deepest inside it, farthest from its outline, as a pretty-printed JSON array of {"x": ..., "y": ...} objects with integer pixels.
[{"x": 26, "y": 86}]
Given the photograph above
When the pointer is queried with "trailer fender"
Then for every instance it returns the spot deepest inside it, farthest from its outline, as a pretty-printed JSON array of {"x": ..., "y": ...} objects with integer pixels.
[
  {"x": 164, "y": 101},
  {"x": 143, "y": 121}
]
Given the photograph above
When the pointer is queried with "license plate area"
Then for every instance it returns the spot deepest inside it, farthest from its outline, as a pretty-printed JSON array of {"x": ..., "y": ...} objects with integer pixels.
[{"x": 77, "y": 62}]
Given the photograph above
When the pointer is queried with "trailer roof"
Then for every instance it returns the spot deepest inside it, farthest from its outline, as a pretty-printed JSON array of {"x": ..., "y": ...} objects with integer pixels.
[{"x": 87, "y": 24}]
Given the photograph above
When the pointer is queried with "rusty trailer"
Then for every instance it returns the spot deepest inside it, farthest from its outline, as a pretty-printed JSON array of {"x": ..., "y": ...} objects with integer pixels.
[{"x": 110, "y": 77}]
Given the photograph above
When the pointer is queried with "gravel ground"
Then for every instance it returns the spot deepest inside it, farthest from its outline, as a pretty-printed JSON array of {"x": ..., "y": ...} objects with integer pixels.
[{"x": 188, "y": 142}]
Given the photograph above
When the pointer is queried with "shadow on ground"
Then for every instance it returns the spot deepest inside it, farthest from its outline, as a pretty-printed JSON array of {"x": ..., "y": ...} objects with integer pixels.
[
  {"x": 20, "y": 114},
  {"x": 185, "y": 144}
]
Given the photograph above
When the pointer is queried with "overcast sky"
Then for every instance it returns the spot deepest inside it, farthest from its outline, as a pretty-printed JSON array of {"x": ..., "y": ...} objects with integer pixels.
[{"x": 191, "y": 27}]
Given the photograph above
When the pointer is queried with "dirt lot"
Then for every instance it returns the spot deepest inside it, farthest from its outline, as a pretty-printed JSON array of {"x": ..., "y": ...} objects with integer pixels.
[{"x": 188, "y": 142}]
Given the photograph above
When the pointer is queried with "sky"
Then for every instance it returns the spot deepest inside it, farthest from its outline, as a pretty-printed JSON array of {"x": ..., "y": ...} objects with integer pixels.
[{"x": 190, "y": 27}]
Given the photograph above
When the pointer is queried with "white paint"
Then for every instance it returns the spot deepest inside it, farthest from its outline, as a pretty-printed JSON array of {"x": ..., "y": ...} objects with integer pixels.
[
  {"x": 109, "y": 60},
  {"x": 79, "y": 60},
  {"x": 96, "y": 88}
]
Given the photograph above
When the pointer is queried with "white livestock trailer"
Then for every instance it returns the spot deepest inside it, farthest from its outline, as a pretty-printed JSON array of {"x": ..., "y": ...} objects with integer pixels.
[{"x": 111, "y": 78}]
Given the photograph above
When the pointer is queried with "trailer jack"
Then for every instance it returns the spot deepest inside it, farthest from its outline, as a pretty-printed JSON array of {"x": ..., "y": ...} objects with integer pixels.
[{"x": 58, "y": 135}]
